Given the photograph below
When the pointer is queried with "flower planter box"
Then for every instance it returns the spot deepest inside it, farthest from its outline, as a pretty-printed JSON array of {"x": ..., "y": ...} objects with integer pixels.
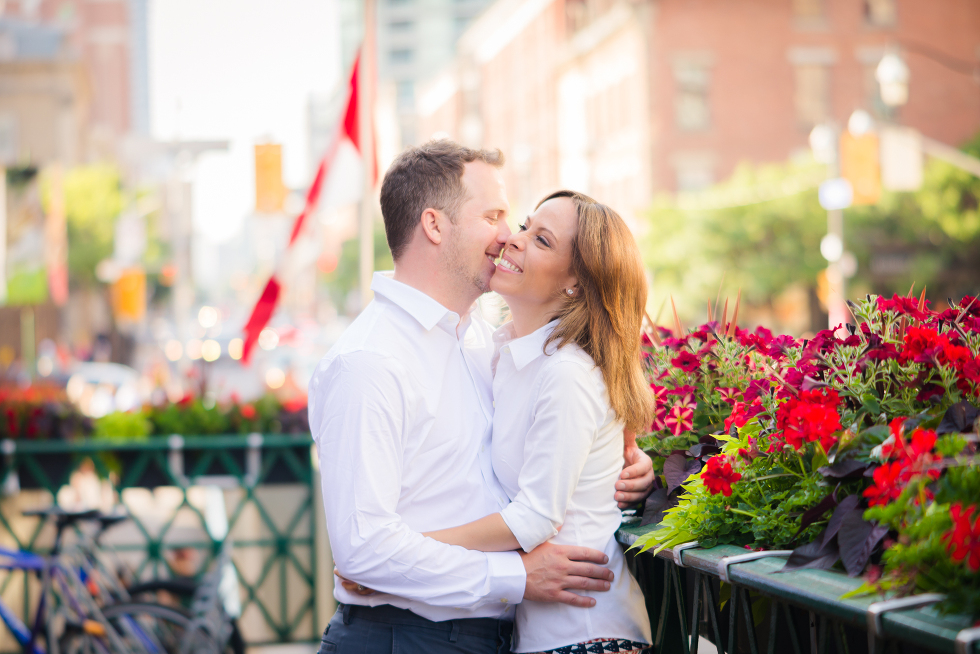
[{"x": 787, "y": 612}]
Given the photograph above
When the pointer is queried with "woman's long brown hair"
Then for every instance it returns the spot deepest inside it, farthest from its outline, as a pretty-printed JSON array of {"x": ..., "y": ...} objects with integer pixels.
[{"x": 605, "y": 316}]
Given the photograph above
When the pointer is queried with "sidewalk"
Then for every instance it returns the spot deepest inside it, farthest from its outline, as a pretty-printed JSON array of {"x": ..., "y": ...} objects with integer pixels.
[{"x": 292, "y": 648}]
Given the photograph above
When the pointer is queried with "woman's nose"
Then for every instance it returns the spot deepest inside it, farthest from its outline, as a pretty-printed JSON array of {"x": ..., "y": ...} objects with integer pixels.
[{"x": 515, "y": 241}]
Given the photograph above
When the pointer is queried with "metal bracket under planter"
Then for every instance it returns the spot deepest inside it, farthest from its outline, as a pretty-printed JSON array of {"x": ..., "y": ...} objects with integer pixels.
[
  {"x": 965, "y": 640},
  {"x": 878, "y": 609},
  {"x": 678, "y": 551},
  {"x": 726, "y": 561},
  {"x": 175, "y": 459},
  {"x": 253, "y": 459},
  {"x": 11, "y": 482}
]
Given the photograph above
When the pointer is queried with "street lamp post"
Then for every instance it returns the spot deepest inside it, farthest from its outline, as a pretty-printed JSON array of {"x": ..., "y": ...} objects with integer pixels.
[{"x": 835, "y": 195}]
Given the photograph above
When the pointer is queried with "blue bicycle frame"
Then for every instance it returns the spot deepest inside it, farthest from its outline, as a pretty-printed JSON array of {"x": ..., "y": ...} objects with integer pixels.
[{"x": 27, "y": 561}]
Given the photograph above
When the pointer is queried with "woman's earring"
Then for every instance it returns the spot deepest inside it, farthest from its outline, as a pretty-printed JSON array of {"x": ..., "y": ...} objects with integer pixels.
[{"x": 571, "y": 291}]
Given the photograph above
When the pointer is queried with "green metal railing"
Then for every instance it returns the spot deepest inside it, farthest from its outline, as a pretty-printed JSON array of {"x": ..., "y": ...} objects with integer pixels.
[
  {"x": 267, "y": 491},
  {"x": 758, "y": 610}
]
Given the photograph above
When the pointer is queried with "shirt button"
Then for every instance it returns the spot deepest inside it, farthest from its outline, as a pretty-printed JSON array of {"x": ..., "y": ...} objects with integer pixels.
[{"x": 504, "y": 600}]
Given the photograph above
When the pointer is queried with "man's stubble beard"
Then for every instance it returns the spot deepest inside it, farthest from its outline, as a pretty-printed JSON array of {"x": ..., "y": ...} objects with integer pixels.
[{"x": 456, "y": 265}]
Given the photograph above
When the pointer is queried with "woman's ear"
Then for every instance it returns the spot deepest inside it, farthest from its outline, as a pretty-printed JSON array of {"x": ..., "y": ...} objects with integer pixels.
[
  {"x": 433, "y": 225},
  {"x": 570, "y": 287}
]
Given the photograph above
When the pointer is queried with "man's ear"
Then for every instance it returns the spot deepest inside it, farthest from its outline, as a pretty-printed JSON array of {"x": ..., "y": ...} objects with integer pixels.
[{"x": 433, "y": 225}]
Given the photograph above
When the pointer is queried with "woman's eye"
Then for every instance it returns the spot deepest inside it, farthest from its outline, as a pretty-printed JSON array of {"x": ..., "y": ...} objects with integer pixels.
[
  {"x": 522, "y": 227},
  {"x": 543, "y": 241}
]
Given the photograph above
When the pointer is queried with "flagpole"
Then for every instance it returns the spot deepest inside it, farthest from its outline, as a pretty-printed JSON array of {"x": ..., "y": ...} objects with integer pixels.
[{"x": 366, "y": 135}]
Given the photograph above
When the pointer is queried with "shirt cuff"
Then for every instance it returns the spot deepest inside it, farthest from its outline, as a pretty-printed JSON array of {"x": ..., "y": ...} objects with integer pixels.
[
  {"x": 529, "y": 528},
  {"x": 507, "y": 576}
]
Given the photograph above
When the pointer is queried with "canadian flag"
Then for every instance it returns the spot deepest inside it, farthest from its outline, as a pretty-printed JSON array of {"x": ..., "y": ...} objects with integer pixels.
[{"x": 348, "y": 130}]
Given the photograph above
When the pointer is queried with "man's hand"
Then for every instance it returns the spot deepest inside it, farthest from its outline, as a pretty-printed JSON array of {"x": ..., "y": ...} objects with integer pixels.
[
  {"x": 553, "y": 570},
  {"x": 636, "y": 480},
  {"x": 352, "y": 587}
]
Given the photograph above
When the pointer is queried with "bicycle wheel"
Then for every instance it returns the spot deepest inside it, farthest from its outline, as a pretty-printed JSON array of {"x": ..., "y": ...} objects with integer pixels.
[
  {"x": 143, "y": 627},
  {"x": 179, "y": 593}
]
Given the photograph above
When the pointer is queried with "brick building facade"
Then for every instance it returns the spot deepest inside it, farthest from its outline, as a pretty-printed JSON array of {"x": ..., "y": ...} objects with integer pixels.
[
  {"x": 108, "y": 39},
  {"x": 626, "y": 98}
]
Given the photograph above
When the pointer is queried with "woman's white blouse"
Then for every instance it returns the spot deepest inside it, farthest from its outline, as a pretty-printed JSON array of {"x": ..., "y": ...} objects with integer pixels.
[{"x": 557, "y": 450}]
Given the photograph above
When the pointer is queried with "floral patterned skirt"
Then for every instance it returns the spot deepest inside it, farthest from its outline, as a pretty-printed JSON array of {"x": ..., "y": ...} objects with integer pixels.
[{"x": 601, "y": 646}]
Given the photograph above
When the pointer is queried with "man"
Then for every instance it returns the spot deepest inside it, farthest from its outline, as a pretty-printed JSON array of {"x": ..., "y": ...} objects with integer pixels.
[{"x": 401, "y": 410}]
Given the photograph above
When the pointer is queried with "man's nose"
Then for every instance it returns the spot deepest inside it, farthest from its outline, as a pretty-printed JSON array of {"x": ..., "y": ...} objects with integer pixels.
[{"x": 503, "y": 232}]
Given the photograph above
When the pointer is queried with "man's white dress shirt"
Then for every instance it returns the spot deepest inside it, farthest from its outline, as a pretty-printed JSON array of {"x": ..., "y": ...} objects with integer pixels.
[
  {"x": 558, "y": 451},
  {"x": 401, "y": 412}
]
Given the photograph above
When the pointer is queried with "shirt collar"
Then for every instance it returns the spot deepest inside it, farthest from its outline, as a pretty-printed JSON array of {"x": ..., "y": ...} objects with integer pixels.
[
  {"x": 427, "y": 311},
  {"x": 525, "y": 349}
]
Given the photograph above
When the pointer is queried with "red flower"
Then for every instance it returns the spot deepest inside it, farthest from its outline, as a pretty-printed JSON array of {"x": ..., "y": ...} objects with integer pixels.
[
  {"x": 917, "y": 455},
  {"x": 742, "y": 413},
  {"x": 956, "y": 356},
  {"x": 679, "y": 419},
  {"x": 909, "y": 461},
  {"x": 879, "y": 350},
  {"x": 904, "y": 306},
  {"x": 969, "y": 379},
  {"x": 888, "y": 478},
  {"x": 728, "y": 395},
  {"x": 921, "y": 344},
  {"x": 963, "y": 540},
  {"x": 12, "y": 427},
  {"x": 686, "y": 361},
  {"x": 718, "y": 476},
  {"x": 812, "y": 416},
  {"x": 248, "y": 411}
]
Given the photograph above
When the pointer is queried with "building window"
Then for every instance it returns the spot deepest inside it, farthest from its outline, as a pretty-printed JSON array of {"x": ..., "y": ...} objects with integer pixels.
[
  {"x": 401, "y": 26},
  {"x": 400, "y": 56},
  {"x": 809, "y": 14},
  {"x": 694, "y": 170},
  {"x": 808, "y": 10},
  {"x": 812, "y": 94},
  {"x": 8, "y": 139},
  {"x": 405, "y": 95},
  {"x": 691, "y": 105},
  {"x": 880, "y": 13}
]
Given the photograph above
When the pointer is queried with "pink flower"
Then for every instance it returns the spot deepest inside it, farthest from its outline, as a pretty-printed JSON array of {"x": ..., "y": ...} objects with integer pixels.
[
  {"x": 679, "y": 419},
  {"x": 686, "y": 361}
]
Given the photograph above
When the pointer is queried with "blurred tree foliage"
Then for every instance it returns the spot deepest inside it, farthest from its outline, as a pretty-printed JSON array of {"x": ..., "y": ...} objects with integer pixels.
[
  {"x": 930, "y": 237},
  {"x": 762, "y": 248},
  {"x": 344, "y": 278},
  {"x": 93, "y": 200}
]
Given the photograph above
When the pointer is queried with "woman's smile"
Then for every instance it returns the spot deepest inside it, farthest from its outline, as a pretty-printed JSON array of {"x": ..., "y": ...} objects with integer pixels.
[{"x": 508, "y": 265}]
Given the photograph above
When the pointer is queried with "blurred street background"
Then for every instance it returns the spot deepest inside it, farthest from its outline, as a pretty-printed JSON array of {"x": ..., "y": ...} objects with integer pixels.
[
  {"x": 188, "y": 204},
  {"x": 157, "y": 154}
]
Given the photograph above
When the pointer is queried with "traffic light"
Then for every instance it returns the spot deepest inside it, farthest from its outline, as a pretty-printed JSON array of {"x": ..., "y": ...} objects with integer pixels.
[
  {"x": 859, "y": 165},
  {"x": 270, "y": 192},
  {"x": 128, "y": 295}
]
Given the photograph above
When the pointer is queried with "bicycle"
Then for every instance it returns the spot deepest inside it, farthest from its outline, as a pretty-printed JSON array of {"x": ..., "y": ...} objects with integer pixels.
[
  {"x": 79, "y": 612},
  {"x": 64, "y": 599},
  {"x": 196, "y": 623}
]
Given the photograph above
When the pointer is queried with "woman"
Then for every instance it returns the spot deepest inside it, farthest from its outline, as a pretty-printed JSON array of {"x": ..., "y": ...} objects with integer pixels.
[{"x": 567, "y": 379}]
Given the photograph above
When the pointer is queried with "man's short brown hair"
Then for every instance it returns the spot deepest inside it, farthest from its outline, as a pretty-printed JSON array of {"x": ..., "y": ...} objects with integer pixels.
[{"x": 424, "y": 177}]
